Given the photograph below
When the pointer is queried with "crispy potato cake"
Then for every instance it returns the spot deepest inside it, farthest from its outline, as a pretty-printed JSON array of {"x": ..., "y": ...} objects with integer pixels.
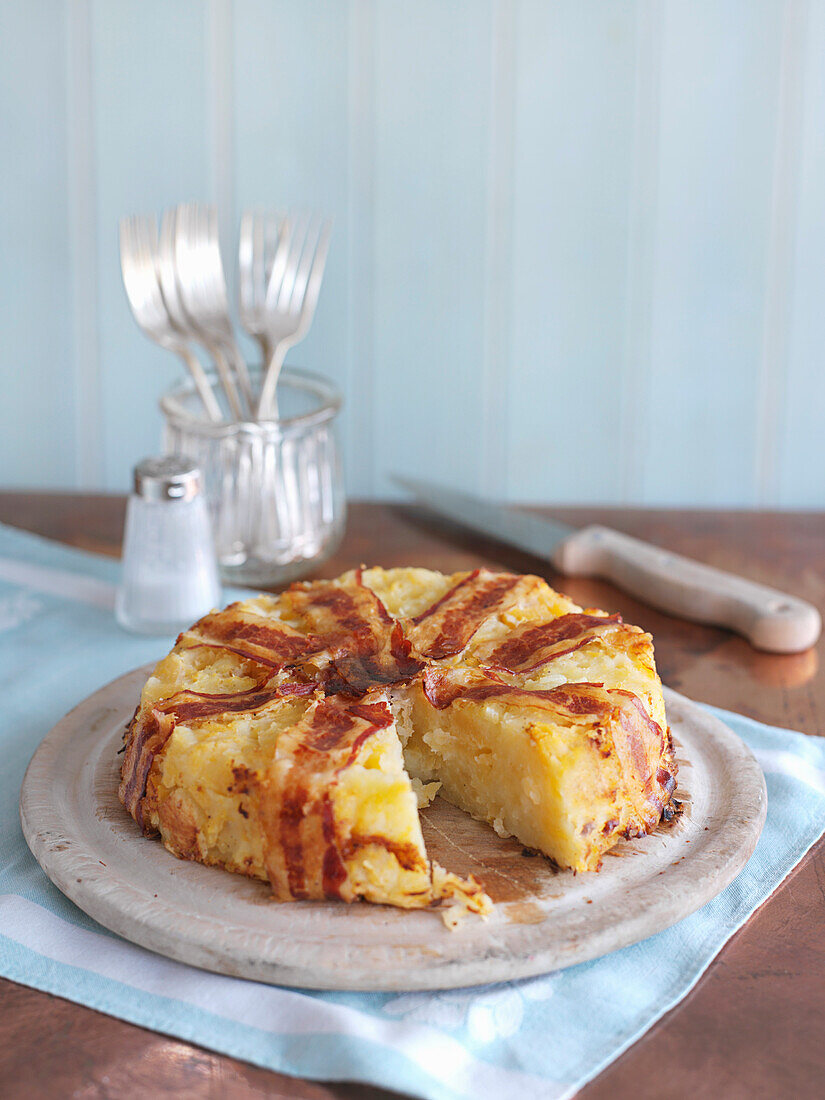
[{"x": 292, "y": 738}]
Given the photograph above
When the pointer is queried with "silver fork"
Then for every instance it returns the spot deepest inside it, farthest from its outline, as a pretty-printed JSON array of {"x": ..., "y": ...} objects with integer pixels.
[
  {"x": 138, "y": 262},
  {"x": 168, "y": 275},
  {"x": 262, "y": 231},
  {"x": 292, "y": 295},
  {"x": 202, "y": 287}
]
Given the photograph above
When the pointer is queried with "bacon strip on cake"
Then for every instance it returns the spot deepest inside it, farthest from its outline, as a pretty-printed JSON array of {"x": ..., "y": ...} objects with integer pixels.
[
  {"x": 305, "y": 844},
  {"x": 258, "y": 638},
  {"x": 445, "y": 628},
  {"x": 362, "y": 645},
  {"x": 532, "y": 645},
  {"x": 145, "y": 738}
]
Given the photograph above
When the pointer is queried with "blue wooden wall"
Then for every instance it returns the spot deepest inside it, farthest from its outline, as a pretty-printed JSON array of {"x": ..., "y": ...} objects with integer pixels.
[{"x": 579, "y": 247}]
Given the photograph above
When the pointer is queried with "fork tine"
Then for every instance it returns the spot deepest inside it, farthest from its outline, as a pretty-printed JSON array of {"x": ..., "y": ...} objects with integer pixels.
[
  {"x": 139, "y": 264},
  {"x": 246, "y": 266},
  {"x": 190, "y": 263},
  {"x": 296, "y": 246},
  {"x": 315, "y": 278},
  {"x": 195, "y": 286},
  {"x": 220, "y": 302},
  {"x": 210, "y": 220},
  {"x": 305, "y": 266},
  {"x": 259, "y": 255},
  {"x": 257, "y": 248},
  {"x": 319, "y": 262},
  {"x": 157, "y": 256},
  {"x": 181, "y": 250},
  {"x": 279, "y": 263},
  {"x": 139, "y": 234},
  {"x": 127, "y": 263},
  {"x": 168, "y": 274},
  {"x": 274, "y": 221},
  {"x": 212, "y": 285}
]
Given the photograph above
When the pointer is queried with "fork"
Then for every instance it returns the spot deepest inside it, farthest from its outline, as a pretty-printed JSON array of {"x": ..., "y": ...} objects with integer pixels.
[
  {"x": 291, "y": 296},
  {"x": 202, "y": 288},
  {"x": 259, "y": 246},
  {"x": 168, "y": 275},
  {"x": 138, "y": 261}
]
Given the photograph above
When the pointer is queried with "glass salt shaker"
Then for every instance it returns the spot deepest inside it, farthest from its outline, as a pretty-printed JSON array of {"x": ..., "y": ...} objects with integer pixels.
[{"x": 170, "y": 571}]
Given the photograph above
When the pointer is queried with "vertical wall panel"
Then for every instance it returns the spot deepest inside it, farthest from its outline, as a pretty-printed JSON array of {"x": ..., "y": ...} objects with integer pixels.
[
  {"x": 291, "y": 127},
  {"x": 634, "y": 421},
  {"x": 573, "y": 138},
  {"x": 82, "y": 211},
  {"x": 37, "y": 444},
  {"x": 360, "y": 410},
  {"x": 780, "y": 249},
  {"x": 498, "y": 257},
  {"x": 717, "y": 133},
  {"x": 431, "y": 169},
  {"x": 802, "y": 438},
  {"x": 151, "y": 151}
]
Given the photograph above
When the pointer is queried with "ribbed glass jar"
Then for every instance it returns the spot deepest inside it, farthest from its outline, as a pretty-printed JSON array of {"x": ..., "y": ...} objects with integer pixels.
[{"x": 275, "y": 489}]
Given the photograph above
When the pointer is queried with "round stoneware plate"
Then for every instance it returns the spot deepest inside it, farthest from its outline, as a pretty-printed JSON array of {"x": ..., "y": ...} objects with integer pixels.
[{"x": 543, "y": 919}]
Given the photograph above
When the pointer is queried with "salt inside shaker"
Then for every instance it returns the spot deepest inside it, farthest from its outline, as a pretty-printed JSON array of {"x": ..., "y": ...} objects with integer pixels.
[{"x": 170, "y": 572}]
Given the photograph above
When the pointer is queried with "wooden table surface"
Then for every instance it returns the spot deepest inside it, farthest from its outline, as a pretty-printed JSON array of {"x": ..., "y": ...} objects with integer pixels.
[{"x": 753, "y": 1026}]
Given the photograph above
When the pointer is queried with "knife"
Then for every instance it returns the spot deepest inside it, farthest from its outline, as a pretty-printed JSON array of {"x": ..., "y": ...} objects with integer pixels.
[{"x": 770, "y": 620}]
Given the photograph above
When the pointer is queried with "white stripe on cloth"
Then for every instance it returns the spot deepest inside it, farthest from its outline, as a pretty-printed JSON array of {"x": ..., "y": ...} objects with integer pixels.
[
  {"x": 262, "y": 1007},
  {"x": 59, "y": 582},
  {"x": 781, "y": 762}
]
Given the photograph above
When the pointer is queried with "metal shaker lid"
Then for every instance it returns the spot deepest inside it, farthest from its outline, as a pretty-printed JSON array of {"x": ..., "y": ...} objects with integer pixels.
[{"x": 172, "y": 477}]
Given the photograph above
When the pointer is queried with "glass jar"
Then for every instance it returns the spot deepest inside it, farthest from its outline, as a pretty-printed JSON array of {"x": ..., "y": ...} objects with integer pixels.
[{"x": 275, "y": 489}]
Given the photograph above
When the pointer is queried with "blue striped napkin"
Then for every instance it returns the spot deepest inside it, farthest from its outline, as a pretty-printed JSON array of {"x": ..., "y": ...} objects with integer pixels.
[{"x": 543, "y": 1037}]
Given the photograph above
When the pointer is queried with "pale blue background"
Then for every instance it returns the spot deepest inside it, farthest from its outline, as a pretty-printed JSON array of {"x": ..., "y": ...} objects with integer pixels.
[{"x": 579, "y": 248}]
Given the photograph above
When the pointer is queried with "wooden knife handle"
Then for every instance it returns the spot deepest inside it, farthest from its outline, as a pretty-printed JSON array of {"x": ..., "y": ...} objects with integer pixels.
[{"x": 770, "y": 620}]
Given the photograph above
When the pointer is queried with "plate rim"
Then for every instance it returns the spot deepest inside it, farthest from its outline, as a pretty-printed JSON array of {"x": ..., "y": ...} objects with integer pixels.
[{"x": 61, "y": 855}]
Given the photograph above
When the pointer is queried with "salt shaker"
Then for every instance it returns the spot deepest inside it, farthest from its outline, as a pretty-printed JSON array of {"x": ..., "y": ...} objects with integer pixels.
[{"x": 170, "y": 572}]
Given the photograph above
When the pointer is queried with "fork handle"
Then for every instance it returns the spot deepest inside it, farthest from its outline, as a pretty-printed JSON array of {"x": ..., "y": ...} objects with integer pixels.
[
  {"x": 268, "y": 401},
  {"x": 242, "y": 376},
  {"x": 228, "y": 382},
  {"x": 205, "y": 391}
]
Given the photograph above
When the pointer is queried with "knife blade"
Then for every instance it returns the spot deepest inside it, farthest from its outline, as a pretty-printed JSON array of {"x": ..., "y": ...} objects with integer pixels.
[{"x": 771, "y": 620}]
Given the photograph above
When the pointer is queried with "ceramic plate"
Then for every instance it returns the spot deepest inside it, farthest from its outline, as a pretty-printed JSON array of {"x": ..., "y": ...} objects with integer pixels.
[{"x": 544, "y": 919}]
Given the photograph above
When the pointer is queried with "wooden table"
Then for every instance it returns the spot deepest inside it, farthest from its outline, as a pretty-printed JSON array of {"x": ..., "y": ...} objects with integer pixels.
[{"x": 752, "y": 1027}]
